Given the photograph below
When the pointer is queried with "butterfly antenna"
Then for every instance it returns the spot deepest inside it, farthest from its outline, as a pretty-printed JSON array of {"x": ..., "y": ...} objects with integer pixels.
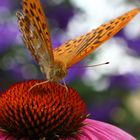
[{"x": 92, "y": 65}]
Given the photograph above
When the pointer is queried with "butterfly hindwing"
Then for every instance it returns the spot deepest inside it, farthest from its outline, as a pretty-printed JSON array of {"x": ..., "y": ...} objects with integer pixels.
[{"x": 74, "y": 50}]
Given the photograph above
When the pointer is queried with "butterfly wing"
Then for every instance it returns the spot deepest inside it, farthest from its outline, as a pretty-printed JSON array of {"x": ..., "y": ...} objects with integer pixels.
[
  {"x": 35, "y": 34},
  {"x": 74, "y": 50}
]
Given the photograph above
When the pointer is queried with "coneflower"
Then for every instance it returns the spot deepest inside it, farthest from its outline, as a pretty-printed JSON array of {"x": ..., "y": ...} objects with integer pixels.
[{"x": 49, "y": 112}]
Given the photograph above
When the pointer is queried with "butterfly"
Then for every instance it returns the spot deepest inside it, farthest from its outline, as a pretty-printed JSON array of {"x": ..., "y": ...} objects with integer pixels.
[{"x": 54, "y": 63}]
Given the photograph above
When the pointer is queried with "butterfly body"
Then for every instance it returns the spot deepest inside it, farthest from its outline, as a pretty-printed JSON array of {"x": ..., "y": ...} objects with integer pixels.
[
  {"x": 55, "y": 63},
  {"x": 55, "y": 72}
]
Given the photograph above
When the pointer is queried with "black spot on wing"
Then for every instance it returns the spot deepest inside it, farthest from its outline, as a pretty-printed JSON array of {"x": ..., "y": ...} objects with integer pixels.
[
  {"x": 26, "y": 11},
  {"x": 31, "y": 11},
  {"x": 24, "y": 3},
  {"x": 58, "y": 49},
  {"x": 37, "y": 18},
  {"x": 39, "y": 11},
  {"x": 100, "y": 31},
  {"x": 108, "y": 27},
  {"x": 67, "y": 45},
  {"x": 33, "y": 6},
  {"x": 44, "y": 26},
  {"x": 109, "y": 33},
  {"x": 67, "y": 49}
]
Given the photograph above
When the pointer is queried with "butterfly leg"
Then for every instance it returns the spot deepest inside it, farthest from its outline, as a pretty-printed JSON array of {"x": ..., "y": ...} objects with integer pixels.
[
  {"x": 65, "y": 86},
  {"x": 37, "y": 84},
  {"x": 67, "y": 91}
]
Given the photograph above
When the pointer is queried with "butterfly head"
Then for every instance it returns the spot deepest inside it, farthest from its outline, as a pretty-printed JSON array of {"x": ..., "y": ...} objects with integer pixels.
[{"x": 56, "y": 72}]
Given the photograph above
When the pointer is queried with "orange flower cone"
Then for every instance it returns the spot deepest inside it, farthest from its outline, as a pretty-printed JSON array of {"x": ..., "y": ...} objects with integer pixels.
[{"x": 48, "y": 112}]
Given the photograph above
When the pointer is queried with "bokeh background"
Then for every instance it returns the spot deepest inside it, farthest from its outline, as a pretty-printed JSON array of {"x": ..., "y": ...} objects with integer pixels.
[{"x": 112, "y": 92}]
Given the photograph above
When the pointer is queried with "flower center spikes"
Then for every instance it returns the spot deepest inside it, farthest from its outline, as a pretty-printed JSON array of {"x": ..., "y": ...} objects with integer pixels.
[{"x": 47, "y": 111}]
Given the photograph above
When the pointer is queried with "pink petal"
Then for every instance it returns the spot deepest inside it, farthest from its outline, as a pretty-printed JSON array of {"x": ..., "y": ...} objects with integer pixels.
[
  {"x": 93, "y": 130},
  {"x": 96, "y": 130},
  {"x": 5, "y": 136}
]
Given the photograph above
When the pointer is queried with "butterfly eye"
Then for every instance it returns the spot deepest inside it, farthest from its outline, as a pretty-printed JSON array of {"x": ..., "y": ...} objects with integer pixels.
[{"x": 57, "y": 72}]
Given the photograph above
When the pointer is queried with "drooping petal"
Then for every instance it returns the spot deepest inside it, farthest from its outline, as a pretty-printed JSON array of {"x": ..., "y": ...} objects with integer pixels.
[
  {"x": 5, "y": 136},
  {"x": 96, "y": 130}
]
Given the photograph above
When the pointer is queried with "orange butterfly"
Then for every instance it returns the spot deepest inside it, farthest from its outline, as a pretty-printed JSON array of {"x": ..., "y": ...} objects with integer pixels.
[{"x": 54, "y": 63}]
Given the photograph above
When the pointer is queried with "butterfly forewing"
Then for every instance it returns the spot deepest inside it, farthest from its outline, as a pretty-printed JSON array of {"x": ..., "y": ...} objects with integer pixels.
[
  {"x": 74, "y": 50},
  {"x": 35, "y": 34}
]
